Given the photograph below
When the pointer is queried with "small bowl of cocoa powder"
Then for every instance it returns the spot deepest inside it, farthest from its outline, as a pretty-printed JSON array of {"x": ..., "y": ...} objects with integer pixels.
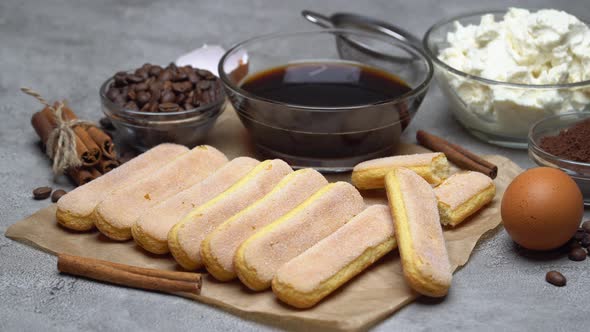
[{"x": 563, "y": 141}]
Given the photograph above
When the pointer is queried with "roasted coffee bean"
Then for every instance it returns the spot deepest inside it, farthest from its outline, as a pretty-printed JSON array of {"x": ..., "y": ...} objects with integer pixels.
[
  {"x": 168, "y": 97},
  {"x": 106, "y": 123},
  {"x": 154, "y": 107},
  {"x": 180, "y": 98},
  {"x": 120, "y": 100},
  {"x": 203, "y": 73},
  {"x": 579, "y": 234},
  {"x": 182, "y": 87},
  {"x": 155, "y": 71},
  {"x": 112, "y": 93},
  {"x": 131, "y": 95},
  {"x": 193, "y": 78},
  {"x": 180, "y": 76},
  {"x": 145, "y": 108},
  {"x": 203, "y": 85},
  {"x": 165, "y": 75},
  {"x": 142, "y": 73},
  {"x": 585, "y": 242},
  {"x": 146, "y": 66},
  {"x": 586, "y": 226},
  {"x": 140, "y": 87},
  {"x": 172, "y": 66},
  {"x": 187, "y": 106},
  {"x": 57, "y": 195},
  {"x": 169, "y": 107},
  {"x": 134, "y": 79},
  {"x": 143, "y": 97},
  {"x": 167, "y": 85},
  {"x": 120, "y": 79},
  {"x": 573, "y": 244},
  {"x": 555, "y": 278},
  {"x": 131, "y": 106},
  {"x": 41, "y": 192},
  {"x": 577, "y": 254}
]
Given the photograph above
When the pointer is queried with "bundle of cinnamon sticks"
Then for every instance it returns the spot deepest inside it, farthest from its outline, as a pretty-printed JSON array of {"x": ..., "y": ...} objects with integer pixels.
[{"x": 94, "y": 147}]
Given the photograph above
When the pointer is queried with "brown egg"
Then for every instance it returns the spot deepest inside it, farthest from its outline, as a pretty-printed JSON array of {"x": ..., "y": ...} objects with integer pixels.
[{"x": 542, "y": 208}]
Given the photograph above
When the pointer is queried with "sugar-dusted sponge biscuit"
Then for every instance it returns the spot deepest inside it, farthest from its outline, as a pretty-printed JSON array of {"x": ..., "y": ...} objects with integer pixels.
[
  {"x": 185, "y": 238},
  {"x": 418, "y": 232},
  {"x": 260, "y": 256},
  {"x": 370, "y": 174},
  {"x": 308, "y": 278},
  {"x": 219, "y": 247},
  {"x": 150, "y": 231},
  {"x": 115, "y": 215},
  {"x": 74, "y": 210},
  {"x": 463, "y": 194}
]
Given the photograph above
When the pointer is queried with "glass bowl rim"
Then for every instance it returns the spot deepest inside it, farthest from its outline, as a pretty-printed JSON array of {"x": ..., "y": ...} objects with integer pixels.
[
  {"x": 437, "y": 61},
  {"x": 420, "y": 88},
  {"x": 536, "y": 149},
  {"x": 196, "y": 111}
]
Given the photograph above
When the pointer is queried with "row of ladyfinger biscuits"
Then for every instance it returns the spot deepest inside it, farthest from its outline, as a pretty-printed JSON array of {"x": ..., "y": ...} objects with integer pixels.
[
  {"x": 242, "y": 217},
  {"x": 206, "y": 211}
]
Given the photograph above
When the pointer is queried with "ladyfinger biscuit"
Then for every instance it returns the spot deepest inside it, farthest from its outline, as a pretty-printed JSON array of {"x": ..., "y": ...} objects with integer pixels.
[
  {"x": 463, "y": 194},
  {"x": 74, "y": 210},
  {"x": 219, "y": 248},
  {"x": 260, "y": 256},
  {"x": 118, "y": 212},
  {"x": 418, "y": 232},
  {"x": 370, "y": 174},
  {"x": 150, "y": 231},
  {"x": 308, "y": 278},
  {"x": 185, "y": 238}
]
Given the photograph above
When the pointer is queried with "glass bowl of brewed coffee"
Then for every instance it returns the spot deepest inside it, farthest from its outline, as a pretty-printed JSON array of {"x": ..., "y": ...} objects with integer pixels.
[{"x": 325, "y": 99}]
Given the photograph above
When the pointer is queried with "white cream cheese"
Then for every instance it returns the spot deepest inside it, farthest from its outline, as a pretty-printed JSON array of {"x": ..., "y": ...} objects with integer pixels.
[{"x": 543, "y": 47}]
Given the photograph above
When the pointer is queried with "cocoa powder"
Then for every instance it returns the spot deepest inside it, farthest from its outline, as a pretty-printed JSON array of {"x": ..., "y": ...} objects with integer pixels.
[{"x": 571, "y": 143}]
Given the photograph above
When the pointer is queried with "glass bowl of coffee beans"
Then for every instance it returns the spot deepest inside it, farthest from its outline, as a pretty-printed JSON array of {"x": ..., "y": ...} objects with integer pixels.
[{"x": 153, "y": 104}]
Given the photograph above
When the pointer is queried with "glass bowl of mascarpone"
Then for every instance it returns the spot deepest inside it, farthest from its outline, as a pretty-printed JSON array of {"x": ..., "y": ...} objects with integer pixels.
[{"x": 502, "y": 71}]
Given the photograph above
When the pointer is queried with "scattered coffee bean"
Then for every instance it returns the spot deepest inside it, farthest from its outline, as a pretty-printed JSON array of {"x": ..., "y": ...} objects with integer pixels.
[
  {"x": 579, "y": 234},
  {"x": 555, "y": 278},
  {"x": 585, "y": 242},
  {"x": 185, "y": 86},
  {"x": 41, "y": 192},
  {"x": 57, "y": 195},
  {"x": 573, "y": 244},
  {"x": 577, "y": 254},
  {"x": 106, "y": 123},
  {"x": 586, "y": 226}
]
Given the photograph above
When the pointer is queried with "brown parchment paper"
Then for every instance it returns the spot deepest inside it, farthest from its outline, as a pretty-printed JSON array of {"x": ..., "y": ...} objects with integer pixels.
[{"x": 365, "y": 300}]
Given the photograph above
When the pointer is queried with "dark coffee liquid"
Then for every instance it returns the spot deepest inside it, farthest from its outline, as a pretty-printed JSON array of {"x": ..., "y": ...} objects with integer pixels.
[
  {"x": 287, "y": 120},
  {"x": 325, "y": 84}
]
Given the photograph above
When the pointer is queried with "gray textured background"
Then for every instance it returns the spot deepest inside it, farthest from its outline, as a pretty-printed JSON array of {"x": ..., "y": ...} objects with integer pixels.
[{"x": 67, "y": 48}]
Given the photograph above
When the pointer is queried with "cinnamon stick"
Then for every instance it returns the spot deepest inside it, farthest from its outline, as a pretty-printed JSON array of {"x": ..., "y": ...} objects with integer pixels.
[
  {"x": 172, "y": 275},
  {"x": 81, "y": 175},
  {"x": 128, "y": 275},
  {"x": 95, "y": 153},
  {"x": 87, "y": 156},
  {"x": 460, "y": 156},
  {"x": 101, "y": 140},
  {"x": 107, "y": 165}
]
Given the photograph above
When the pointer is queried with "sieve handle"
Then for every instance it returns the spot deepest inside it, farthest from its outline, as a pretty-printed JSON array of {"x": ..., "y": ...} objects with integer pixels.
[{"x": 317, "y": 18}]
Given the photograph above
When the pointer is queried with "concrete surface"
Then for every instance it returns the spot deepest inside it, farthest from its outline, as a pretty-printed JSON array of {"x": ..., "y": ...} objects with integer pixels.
[{"x": 66, "y": 48}]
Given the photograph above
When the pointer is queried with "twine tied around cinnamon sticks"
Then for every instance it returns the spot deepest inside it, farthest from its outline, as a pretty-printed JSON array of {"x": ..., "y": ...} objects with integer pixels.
[{"x": 61, "y": 143}]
